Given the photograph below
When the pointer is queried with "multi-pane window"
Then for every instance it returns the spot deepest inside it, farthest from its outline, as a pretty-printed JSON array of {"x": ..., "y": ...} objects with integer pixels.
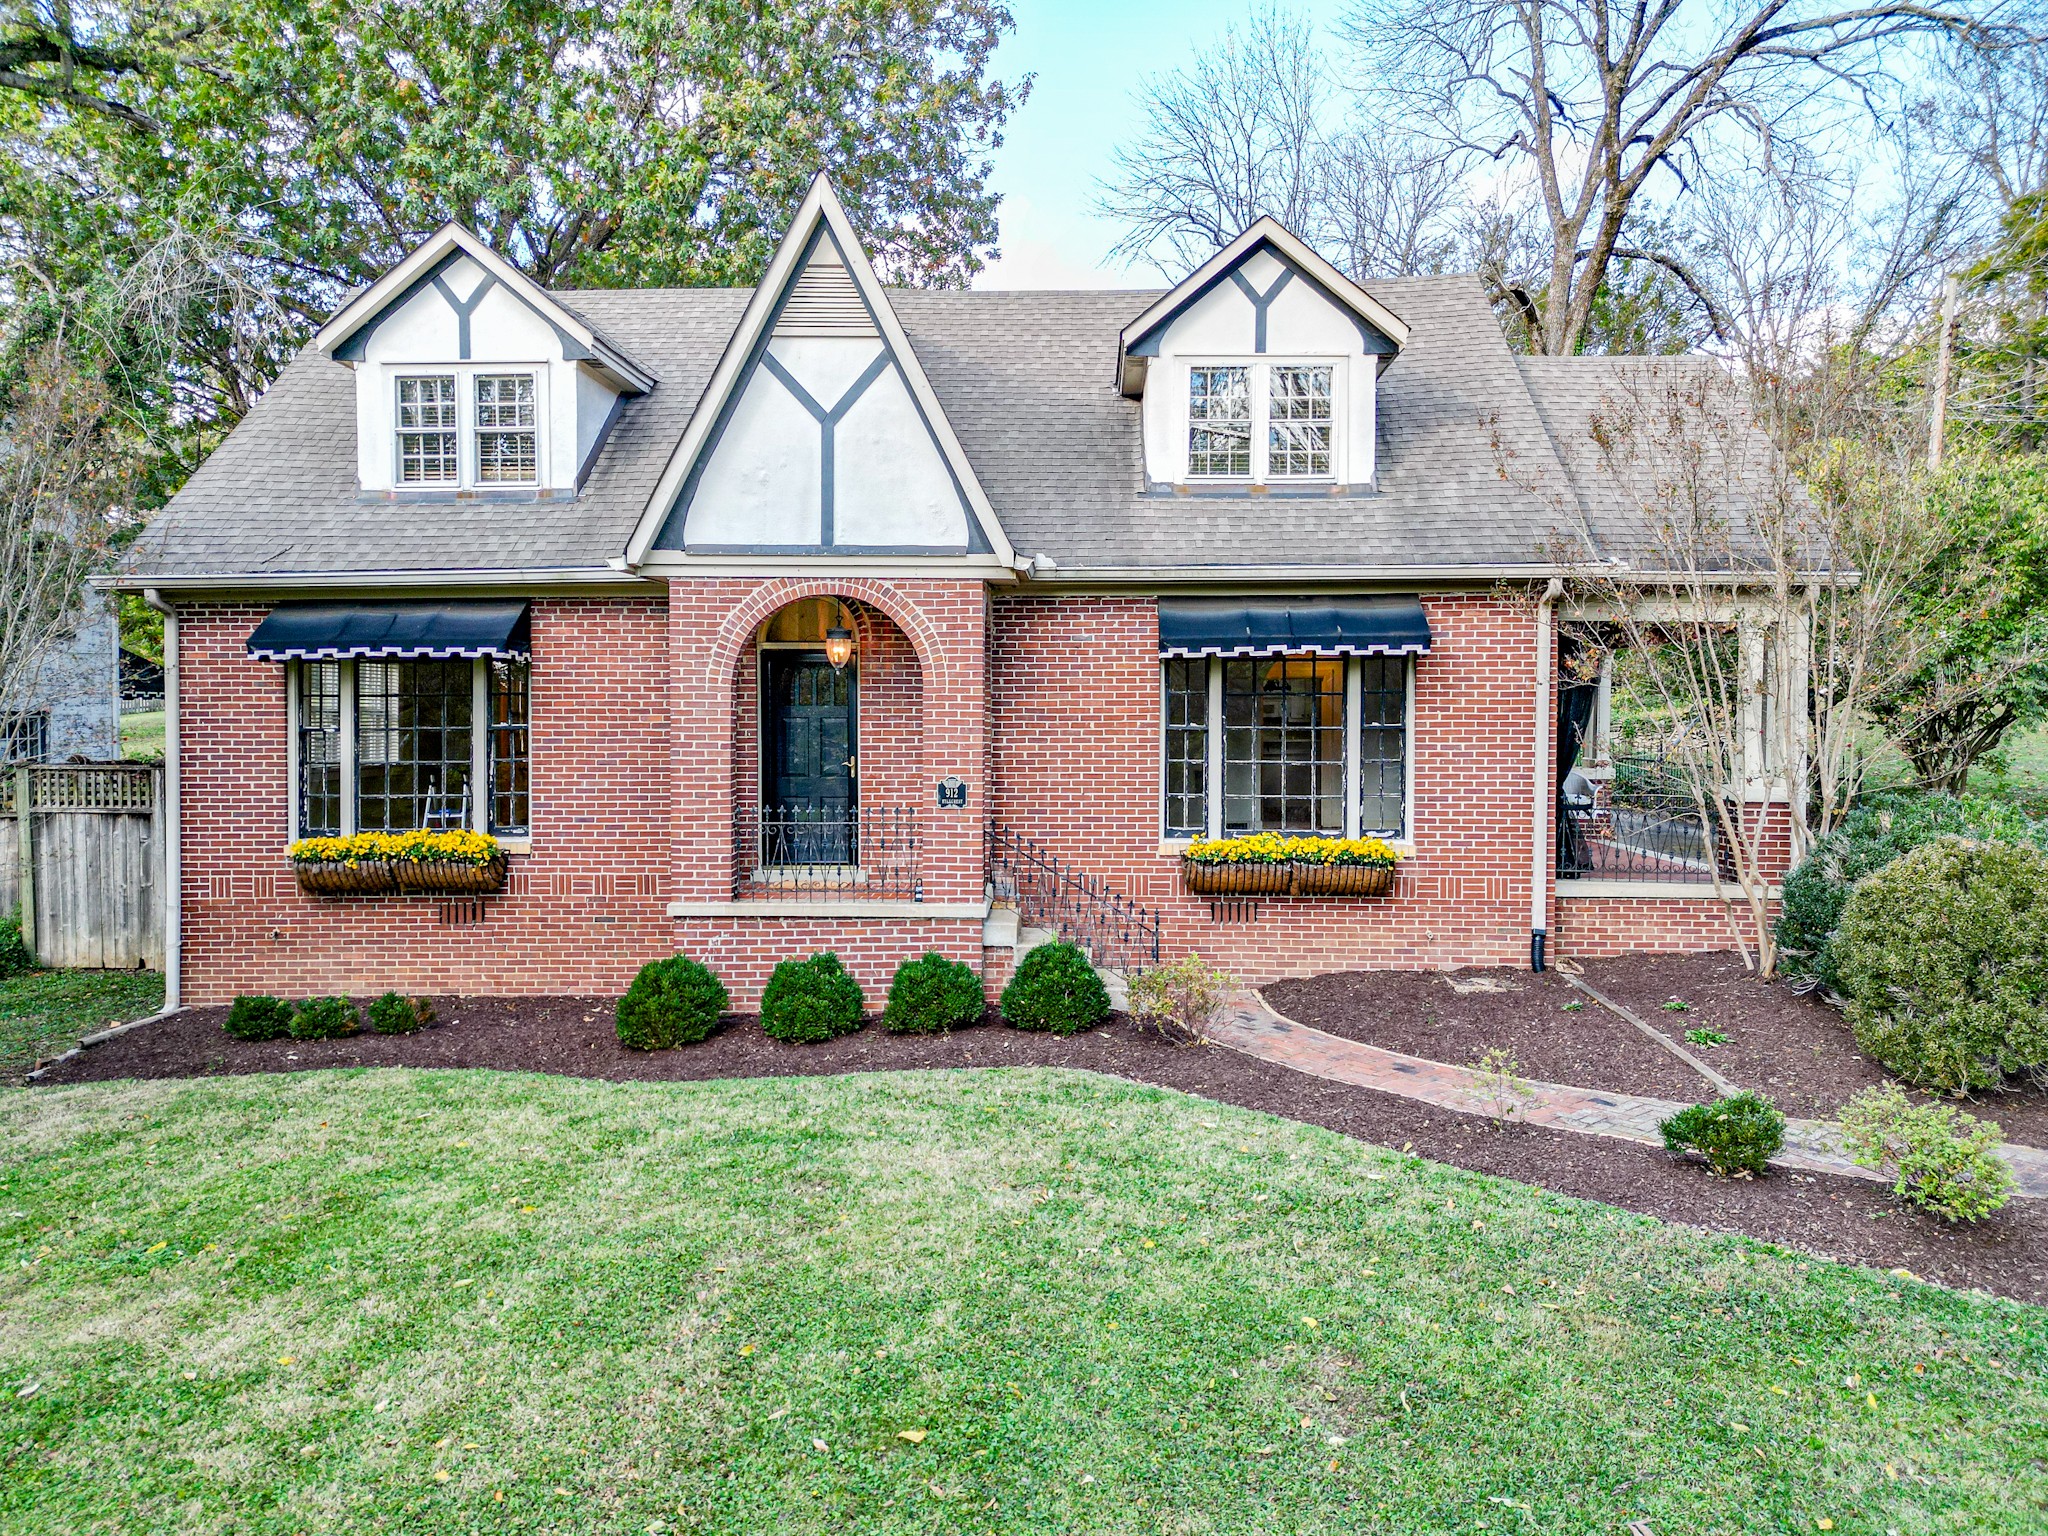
[
  {"x": 320, "y": 749},
  {"x": 1298, "y": 422},
  {"x": 25, "y": 738},
  {"x": 429, "y": 451},
  {"x": 1219, "y": 421},
  {"x": 1302, "y": 745},
  {"x": 1283, "y": 745},
  {"x": 1187, "y": 746},
  {"x": 1382, "y": 745},
  {"x": 397, "y": 746},
  {"x": 508, "y": 746},
  {"x": 505, "y": 429}
]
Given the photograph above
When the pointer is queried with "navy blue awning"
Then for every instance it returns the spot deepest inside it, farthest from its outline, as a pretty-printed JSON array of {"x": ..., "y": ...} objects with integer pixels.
[
  {"x": 1373, "y": 626},
  {"x": 392, "y": 631}
]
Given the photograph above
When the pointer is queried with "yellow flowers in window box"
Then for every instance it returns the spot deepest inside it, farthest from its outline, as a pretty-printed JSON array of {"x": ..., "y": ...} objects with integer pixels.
[
  {"x": 1270, "y": 864},
  {"x": 378, "y": 863}
]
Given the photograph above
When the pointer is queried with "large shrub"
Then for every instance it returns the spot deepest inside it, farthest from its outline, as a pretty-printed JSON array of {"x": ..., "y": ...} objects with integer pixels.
[
  {"x": 671, "y": 1002},
  {"x": 325, "y": 1018},
  {"x": 15, "y": 958},
  {"x": 1876, "y": 832},
  {"x": 1937, "y": 1159},
  {"x": 930, "y": 995},
  {"x": 396, "y": 1014},
  {"x": 1944, "y": 955},
  {"x": 256, "y": 1017},
  {"x": 1738, "y": 1135},
  {"x": 1055, "y": 989},
  {"x": 806, "y": 1001}
]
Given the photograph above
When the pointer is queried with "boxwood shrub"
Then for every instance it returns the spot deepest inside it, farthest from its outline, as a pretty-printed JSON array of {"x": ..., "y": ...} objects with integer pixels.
[
  {"x": 396, "y": 1014},
  {"x": 671, "y": 1002},
  {"x": 1055, "y": 989},
  {"x": 1941, "y": 953},
  {"x": 325, "y": 1018},
  {"x": 931, "y": 995},
  {"x": 1738, "y": 1135},
  {"x": 807, "y": 1001},
  {"x": 1879, "y": 830},
  {"x": 254, "y": 1016}
]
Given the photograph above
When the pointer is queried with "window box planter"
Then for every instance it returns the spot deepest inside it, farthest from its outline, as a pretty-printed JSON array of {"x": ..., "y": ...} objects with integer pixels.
[
  {"x": 384, "y": 863},
  {"x": 1269, "y": 865}
]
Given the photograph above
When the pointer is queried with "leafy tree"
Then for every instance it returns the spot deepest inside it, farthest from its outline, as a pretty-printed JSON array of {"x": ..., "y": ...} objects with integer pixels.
[
  {"x": 594, "y": 142},
  {"x": 1983, "y": 600}
]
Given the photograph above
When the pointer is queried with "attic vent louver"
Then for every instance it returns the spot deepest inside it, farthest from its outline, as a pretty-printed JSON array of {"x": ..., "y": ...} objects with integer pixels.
[{"x": 823, "y": 302}]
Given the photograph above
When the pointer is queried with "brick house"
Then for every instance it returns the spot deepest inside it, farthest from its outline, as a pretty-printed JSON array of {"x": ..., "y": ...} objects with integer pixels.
[{"x": 759, "y": 621}]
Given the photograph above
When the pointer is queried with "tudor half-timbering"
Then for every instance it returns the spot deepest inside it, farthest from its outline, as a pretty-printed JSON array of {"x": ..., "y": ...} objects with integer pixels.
[{"x": 816, "y": 614}]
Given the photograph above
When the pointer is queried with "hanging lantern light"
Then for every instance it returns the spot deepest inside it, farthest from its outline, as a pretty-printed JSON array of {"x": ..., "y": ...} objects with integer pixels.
[{"x": 839, "y": 644}]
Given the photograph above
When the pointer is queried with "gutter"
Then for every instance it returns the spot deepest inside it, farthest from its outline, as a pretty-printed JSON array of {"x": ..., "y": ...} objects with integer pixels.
[
  {"x": 275, "y": 581},
  {"x": 174, "y": 863},
  {"x": 1539, "y": 841}
]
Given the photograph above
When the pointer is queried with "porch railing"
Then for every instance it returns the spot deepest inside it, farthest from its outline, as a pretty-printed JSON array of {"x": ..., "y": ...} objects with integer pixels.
[
  {"x": 865, "y": 854},
  {"x": 1645, "y": 825},
  {"x": 1116, "y": 932}
]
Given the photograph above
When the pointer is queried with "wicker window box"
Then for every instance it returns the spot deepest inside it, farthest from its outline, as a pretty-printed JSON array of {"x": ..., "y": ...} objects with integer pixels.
[{"x": 1293, "y": 878}]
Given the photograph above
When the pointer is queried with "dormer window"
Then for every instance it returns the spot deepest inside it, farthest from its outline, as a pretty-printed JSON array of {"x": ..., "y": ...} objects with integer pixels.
[
  {"x": 1261, "y": 421},
  {"x": 500, "y": 444}
]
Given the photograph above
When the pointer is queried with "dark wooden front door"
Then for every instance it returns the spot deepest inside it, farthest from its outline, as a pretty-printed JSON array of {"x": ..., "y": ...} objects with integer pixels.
[{"x": 808, "y": 760}]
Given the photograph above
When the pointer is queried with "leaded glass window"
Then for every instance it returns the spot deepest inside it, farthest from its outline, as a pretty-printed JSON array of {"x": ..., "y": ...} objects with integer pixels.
[
  {"x": 1283, "y": 745},
  {"x": 1219, "y": 421},
  {"x": 1187, "y": 747},
  {"x": 1382, "y": 745},
  {"x": 413, "y": 721},
  {"x": 1298, "y": 422},
  {"x": 427, "y": 447},
  {"x": 506, "y": 450},
  {"x": 509, "y": 801},
  {"x": 319, "y": 749}
]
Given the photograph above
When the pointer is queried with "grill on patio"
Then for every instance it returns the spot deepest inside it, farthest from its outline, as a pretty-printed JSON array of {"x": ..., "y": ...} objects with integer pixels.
[
  {"x": 864, "y": 854},
  {"x": 1647, "y": 827}
]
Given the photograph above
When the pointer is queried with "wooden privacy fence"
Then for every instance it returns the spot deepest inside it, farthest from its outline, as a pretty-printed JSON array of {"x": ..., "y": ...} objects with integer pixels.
[{"x": 85, "y": 864}]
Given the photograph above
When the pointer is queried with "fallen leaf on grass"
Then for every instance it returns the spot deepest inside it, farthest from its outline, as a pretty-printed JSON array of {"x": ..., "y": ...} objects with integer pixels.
[
  {"x": 441, "y": 1476},
  {"x": 819, "y": 1445},
  {"x": 914, "y": 1436}
]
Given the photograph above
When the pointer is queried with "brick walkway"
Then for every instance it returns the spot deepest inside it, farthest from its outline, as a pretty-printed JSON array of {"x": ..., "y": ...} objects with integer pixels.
[{"x": 1252, "y": 1027}]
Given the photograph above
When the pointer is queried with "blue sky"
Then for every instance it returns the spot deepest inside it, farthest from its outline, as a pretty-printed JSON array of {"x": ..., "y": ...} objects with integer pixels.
[{"x": 1089, "y": 56}]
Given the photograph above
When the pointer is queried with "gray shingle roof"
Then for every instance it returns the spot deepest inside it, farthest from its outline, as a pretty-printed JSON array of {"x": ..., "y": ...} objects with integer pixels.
[{"x": 1028, "y": 381}]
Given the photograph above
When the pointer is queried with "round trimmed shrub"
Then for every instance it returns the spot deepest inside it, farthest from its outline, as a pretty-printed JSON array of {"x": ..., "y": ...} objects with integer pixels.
[
  {"x": 931, "y": 995},
  {"x": 807, "y": 1001},
  {"x": 672, "y": 1002},
  {"x": 325, "y": 1018},
  {"x": 1944, "y": 955},
  {"x": 396, "y": 1014},
  {"x": 1738, "y": 1135},
  {"x": 256, "y": 1017},
  {"x": 1876, "y": 832},
  {"x": 1055, "y": 989}
]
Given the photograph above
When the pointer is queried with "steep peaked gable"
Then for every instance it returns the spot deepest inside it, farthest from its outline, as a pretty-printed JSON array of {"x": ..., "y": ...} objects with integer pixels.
[
  {"x": 346, "y": 335},
  {"x": 819, "y": 433},
  {"x": 1380, "y": 329}
]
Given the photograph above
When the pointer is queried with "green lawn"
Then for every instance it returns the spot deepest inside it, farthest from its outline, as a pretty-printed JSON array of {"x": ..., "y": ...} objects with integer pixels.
[
  {"x": 45, "y": 1012},
  {"x": 142, "y": 735},
  {"x": 1019, "y": 1301}
]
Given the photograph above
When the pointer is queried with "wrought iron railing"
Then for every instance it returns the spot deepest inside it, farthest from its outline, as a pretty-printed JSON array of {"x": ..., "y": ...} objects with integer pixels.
[
  {"x": 865, "y": 854},
  {"x": 1645, "y": 825},
  {"x": 1116, "y": 932}
]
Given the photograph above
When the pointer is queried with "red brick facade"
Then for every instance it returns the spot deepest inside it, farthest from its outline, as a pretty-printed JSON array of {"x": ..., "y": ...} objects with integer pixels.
[{"x": 645, "y": 739}]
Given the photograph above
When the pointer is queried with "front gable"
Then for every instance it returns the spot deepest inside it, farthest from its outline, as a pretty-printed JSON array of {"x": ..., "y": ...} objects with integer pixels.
[{"x": 819, "y": 434}]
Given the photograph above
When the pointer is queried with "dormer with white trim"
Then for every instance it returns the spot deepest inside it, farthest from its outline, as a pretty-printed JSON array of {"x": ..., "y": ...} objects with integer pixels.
[
  {"x": 1259, "y": 372},
  {"x": 819, "y": 435},
  {"x": 473, "y": 380}
]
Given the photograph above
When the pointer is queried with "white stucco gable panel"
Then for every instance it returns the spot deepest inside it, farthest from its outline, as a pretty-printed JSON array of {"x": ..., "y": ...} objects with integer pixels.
[
  {"x": 763, "y": 483},
  {"x": 893, "y": 488}
]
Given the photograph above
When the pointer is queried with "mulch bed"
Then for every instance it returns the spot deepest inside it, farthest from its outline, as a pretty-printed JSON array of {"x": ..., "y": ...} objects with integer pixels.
[
  {"x": 1796, "y": 1049},
  {"x": 1830, "y": 1217}
]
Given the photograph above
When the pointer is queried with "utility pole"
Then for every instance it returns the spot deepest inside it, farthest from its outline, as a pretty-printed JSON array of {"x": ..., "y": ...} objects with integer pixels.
[{"x": 1937, "y": 426}]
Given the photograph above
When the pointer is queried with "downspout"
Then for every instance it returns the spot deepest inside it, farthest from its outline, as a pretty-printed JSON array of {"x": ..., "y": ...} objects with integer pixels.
[
  {"x": 174, "y": 868},
  {"x": 1539, "y": 842}
]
